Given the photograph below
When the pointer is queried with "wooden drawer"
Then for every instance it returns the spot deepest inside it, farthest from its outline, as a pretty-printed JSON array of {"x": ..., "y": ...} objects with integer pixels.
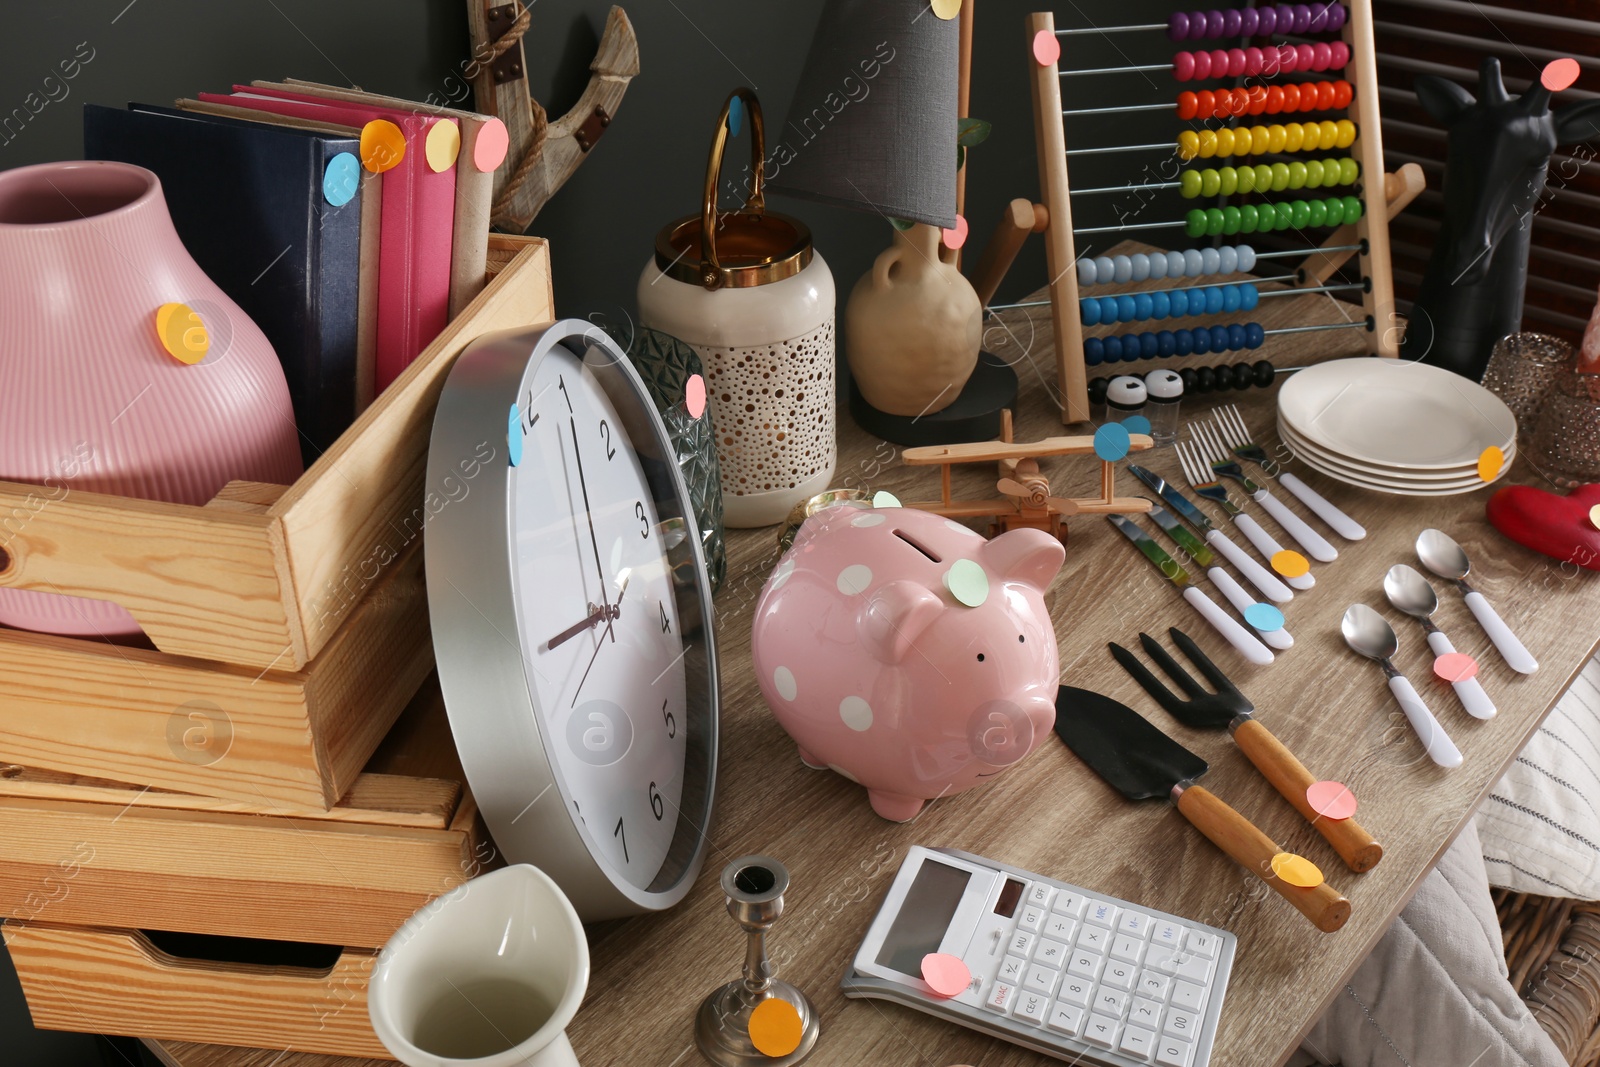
[
  {"x": 289, "y": 623},
  {"x": 111, "y": 981}
]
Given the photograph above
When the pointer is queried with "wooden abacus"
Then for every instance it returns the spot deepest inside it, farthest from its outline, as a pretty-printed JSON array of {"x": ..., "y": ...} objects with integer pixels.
[{"x": 1341, "y": 60}]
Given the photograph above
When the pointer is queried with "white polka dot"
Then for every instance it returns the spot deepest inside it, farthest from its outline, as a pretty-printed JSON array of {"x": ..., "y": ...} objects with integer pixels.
[
  {"x": 843, "y": 773},
  {"x": 870, "y": 518},
  {"x": 854, "y": 579},
  {"x": 956, "y": 526},
  {"x": 781, "y": 575},
  {"x": 856, "y": 713},
  {"x": 783, "y": 681}
]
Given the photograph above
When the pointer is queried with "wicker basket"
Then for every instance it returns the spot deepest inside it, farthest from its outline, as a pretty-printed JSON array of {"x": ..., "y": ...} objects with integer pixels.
[{"x": 1552, "y": 950}]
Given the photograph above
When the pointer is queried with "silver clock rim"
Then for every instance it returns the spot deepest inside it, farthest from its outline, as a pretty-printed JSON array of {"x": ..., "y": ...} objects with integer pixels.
[{"x": 475, "y": 626}]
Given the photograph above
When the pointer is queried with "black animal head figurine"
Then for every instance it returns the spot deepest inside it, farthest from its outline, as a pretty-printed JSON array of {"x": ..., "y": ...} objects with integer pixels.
[{"x": 1499, "y": 150}]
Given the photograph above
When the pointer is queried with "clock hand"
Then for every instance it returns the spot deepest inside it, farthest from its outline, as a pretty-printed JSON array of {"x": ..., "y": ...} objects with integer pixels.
[
  {"x": 597, "y": 614},
  {"x": 611, "y": 617},
  {"x": 594, "y": 543}
]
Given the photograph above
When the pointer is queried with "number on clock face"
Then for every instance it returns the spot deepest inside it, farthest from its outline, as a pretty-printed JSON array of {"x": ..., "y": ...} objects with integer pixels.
[{"x": 603, "y": 652}]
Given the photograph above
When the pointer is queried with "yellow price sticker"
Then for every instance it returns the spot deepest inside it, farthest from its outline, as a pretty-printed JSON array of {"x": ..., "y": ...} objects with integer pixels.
[{"x": 182, "y": 333}]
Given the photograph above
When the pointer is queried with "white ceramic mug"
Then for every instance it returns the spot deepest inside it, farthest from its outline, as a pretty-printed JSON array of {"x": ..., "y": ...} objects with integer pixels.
[{"x": 488, "y": 975}]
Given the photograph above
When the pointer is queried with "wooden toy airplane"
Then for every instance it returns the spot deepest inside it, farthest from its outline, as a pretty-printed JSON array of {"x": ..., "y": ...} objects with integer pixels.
[{"x": 1027, "y": 500}]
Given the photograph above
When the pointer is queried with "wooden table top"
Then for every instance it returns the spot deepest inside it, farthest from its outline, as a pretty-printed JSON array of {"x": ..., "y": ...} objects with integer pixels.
[{"x": 1050, "y": 813}]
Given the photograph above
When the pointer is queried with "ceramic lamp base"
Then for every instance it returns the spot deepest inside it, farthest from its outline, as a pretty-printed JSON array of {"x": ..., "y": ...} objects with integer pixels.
[
  {"x": 975, "y": 415},
  {"x": 722, "y": 1026}
]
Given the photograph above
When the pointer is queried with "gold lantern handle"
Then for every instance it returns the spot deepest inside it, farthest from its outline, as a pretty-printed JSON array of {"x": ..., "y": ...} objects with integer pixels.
[{"x": 711, "y": 273}]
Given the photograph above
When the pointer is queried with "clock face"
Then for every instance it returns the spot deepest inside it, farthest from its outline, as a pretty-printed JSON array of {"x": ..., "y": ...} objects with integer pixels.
[
  {"x": 602, "y": 641},
  {"x": 571, "y": 617}
]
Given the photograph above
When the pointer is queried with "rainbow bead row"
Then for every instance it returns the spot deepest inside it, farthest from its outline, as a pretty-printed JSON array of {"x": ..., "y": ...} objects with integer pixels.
[
  {"x": 1266, "y": 62},
  {"x": 1260, "y": 140},
  {"x": 1264, "y": 218},
  {"x": 1137, "y": 307},
  {"x": 1126, "y": 348},
  {"x": 1103, "y": 270},
  {"x": 1268, "y": 177},
  {"x": 1197, "y": 381},
  {"x": 1265, "y": 99},
  {"x": 1257, "y": 21}
]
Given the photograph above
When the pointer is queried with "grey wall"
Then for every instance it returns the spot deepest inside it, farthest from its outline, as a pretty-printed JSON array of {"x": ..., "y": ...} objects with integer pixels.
[{"x": 649, "y": 167}]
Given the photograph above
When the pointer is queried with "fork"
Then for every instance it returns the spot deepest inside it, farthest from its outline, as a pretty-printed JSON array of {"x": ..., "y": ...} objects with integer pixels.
[
  {"x": 1231, "y": 423},
  {"x": 1205, "y": 483},
  {"x": 1205, "y": 435}
]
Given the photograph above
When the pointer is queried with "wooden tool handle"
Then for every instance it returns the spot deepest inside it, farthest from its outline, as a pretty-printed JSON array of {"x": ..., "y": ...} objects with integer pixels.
[
  {"x": 1253, "y": 850},
  {"x": 1290, "y": 778}
]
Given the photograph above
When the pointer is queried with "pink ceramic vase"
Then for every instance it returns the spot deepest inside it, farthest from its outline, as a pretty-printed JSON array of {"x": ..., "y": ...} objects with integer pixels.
[{"x": 90, "y": 399}]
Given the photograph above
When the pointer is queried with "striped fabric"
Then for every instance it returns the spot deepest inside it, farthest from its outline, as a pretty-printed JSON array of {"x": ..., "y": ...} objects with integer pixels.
[{"x": 1540, "y": 825}]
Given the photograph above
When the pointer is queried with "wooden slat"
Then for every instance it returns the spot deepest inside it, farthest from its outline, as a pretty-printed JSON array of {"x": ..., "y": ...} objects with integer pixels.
[
  {"x": 979, "y": 451},
  {"x": 111, "y": 981}
]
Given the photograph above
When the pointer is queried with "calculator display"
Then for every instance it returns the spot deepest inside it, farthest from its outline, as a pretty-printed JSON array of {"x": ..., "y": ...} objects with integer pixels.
[{"x": 920, "y": 926}]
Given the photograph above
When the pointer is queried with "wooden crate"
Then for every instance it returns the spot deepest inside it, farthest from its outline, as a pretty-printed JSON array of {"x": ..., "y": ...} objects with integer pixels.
[
  {"x": 117, "y": 982},
  {"x": 289, "y": 623}
]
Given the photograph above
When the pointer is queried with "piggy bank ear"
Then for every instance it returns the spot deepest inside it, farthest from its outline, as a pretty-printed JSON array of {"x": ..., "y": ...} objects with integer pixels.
[
  {"x": 895, "y": 616},
  {"x": 1029, "y": 556}
]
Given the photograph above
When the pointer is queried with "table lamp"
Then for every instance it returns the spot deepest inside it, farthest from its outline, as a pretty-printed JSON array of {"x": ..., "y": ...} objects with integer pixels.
[{"x": 873, "y": 127}]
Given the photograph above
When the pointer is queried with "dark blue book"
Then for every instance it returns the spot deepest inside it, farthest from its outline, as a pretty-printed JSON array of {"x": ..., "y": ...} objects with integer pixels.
[{"x": 260, "y": 212}]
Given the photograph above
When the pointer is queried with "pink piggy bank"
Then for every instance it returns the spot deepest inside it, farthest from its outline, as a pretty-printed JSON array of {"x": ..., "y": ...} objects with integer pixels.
[{"x": 907, "y": 653}]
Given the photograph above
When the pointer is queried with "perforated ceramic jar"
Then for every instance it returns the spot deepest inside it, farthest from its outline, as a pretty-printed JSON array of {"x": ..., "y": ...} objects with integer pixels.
[{"x": 747, "y": 291}]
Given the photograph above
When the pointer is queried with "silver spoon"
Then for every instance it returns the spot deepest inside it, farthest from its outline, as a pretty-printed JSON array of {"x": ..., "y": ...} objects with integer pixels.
[
  {"x": 1411, "y": 593},
  {"x": 1441, "y": 555},
  {"x": 1366, "y": 631}
]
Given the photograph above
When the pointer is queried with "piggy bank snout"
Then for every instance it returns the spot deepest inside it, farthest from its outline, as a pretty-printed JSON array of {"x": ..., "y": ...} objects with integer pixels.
[{"x": 1002, "y": 732}]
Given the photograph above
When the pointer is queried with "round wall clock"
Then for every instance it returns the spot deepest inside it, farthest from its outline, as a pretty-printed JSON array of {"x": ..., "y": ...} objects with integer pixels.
[{"x": 572, "y": 617}]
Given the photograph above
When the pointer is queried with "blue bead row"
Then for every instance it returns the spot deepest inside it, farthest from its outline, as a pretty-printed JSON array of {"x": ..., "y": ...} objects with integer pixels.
[
  {"x": 1137, "y": 307},
  {"x": 1126, "y": 348}
]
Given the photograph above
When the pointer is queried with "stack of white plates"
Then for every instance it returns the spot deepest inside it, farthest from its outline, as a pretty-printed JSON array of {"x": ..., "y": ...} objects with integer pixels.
[{"x": 1394, "y": 426}]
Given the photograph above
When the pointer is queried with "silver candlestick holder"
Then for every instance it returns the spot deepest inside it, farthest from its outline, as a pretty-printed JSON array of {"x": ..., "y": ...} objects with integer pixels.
[{"x": 754, "y": 886}]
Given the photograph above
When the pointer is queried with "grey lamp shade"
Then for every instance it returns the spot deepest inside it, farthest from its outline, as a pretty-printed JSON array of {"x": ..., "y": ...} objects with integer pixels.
[{"x": 873, "y": 121}]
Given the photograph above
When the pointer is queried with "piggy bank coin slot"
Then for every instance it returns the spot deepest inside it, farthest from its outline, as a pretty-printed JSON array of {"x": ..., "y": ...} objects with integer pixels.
[
  {"x": 917, "y": 545},
  {"x": 1005, "y": 905}
]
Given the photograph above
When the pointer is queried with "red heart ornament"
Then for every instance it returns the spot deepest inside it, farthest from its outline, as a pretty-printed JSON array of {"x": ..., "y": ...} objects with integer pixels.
[{"x": 1556, "y": 526}]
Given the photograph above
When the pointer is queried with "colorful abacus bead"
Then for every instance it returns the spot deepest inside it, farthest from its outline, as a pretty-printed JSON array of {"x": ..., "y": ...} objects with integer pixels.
[
  {"x": 1139, "y": 307},
  {"x": 1225, "y": 181},
  {"x": 1267, "y": 62},
  {"x": 1259, "y": 99},
  {"x": 1197, "y": 340},
  {"x": 1248, "y": 22},
  {"x": 1103, "y": 270},
  {"x": 1264, "y": 218}
]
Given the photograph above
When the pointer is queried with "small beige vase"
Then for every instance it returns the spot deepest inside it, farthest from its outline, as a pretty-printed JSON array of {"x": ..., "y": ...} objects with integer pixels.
[{"x": 913, "y": 327}]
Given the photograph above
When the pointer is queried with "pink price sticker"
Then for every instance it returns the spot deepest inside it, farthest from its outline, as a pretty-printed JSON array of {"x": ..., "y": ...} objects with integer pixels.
[
  {"x": 956, "y": 236},
  {"x": 1331, "y": 800},
  {"x": 1455, "y": 667},
  {"x": 1559, "y": 74},
  {"x": 694, "y": 396},
  {"x": 1046, "y": 49},
  {"x": 945, "y": 974}
]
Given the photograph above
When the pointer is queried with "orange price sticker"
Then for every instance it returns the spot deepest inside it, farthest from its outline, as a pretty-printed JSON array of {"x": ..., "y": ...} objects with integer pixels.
[
  {"x": 1296, "y": 870},
  {"x": 1290, "y": 564},
  {"x": 1490, "y": 461},
  {"x": 383, "y": 146},
  {"x": 775, "y": 1028},
  {"x": 182, "y": 333}
]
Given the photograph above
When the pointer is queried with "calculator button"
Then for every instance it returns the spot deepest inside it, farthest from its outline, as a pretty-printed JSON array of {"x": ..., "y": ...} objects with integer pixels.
[
  {"x": 1154, "y": 984},
  {"x": 1112, "y": 1002},
  {"x": 1094, "y": 938},
  {"x": 1041, "y": 979},
  {"x": 1000, "y": 997},
  {"x": 1194, "y": 968},
  {"x": 1188, "y": 996},
  {"x": 1083, "y": 964},
  {"x": 1170, "y": 1052},
  {"x": 1135, "y": 923},
  {"x": 1166, "y": 934},
  {"x": 1040, "y": 894},
  {"x": 1119, "y": 974},
  {"x": 1180, "y": 1023},
  {"x": 1101, "y": 1030},
  {"x": 1202, "y": 943},
  {"x": 1102, "y": 914},
  {"x": 1051, "y": 953},
  {"x": 1127, "y": 947},
  {"x": 1137, "y": 1041},
  {"x": 1067, "y": 1018},
  {"x": 1032, "y": 919},
  {"x": 1012, "y": 968},
  {"x": 1033, "y": 1008},
  {"x": 1145, "y": 1012},
  {"x": 1068, "y": 903},
  {"x": 1164, "y": 960},
  {"x": 1075, "y": 990},
  {"x": 1021, "y": 943},
  {"x": 1060, "y": 927}
]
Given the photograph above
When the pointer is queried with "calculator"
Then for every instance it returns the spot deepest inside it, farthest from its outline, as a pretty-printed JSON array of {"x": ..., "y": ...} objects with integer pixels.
[{"x": 1055, "y": 968}]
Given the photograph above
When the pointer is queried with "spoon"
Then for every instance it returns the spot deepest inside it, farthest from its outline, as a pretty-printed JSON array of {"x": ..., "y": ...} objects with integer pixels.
[
  {"x": 1366, "y": 631},
  {"x": 1411, "y": 593},
  {"x": 1441, "y": 555}
]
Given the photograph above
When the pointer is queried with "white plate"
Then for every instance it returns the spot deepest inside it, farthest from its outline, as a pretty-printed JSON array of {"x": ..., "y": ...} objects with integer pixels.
[
  {"x": 1420, "y": 479},
  {"x": 1461, "y": 470},
  {"x": 1395, "y": 413},
  {"x": 1393, "y": 488}
]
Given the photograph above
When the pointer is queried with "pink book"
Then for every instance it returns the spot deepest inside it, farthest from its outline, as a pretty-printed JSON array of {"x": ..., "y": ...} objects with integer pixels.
[{"x": 416, "y": 224}]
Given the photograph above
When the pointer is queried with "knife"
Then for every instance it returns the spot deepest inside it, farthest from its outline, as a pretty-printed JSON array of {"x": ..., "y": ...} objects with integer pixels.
[
  {"x": 1139, "y": 761},
  {"x": 1269, "y": 584},
  {"x": 1237, "y": 636},
  {"x": 1280, "y": 638}
]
